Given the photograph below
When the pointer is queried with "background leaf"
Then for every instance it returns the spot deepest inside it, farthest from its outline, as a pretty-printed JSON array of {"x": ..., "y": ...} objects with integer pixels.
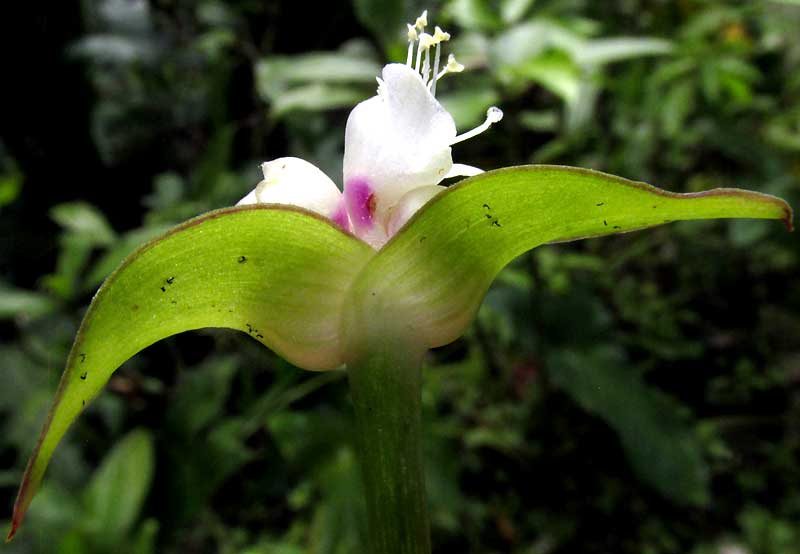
[
  {"x": 118, "y": 489},
  {"x": 662, "y": 449}
]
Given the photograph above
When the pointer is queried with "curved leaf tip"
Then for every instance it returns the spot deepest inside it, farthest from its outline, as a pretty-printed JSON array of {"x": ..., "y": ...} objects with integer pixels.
[
  {"x": 16, "y": 520},
  {"x": 437, "y": 268},
  {"x": 277, "y": 273}
]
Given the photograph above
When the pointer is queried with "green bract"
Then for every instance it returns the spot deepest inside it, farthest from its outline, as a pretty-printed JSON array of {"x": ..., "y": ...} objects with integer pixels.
[{"x": 303, "y": 287}]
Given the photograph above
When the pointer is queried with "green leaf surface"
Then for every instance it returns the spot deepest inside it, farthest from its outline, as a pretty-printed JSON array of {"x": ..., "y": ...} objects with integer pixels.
[
  {"x": 316, "y": 97},
  {"x": 84, "y": 220},
  {"x": 383, "y": 17},
  {"x": 379, "y": 16},
  {"x": 474, "y": 14},
  {"x": 10, "y": 187},
  {"x": 660, "y": 446},
  {"x": 126, "y": 244},
  {"x": 434, "y": 273},
  {"x": 118, "y": 489},
  {"x": 336, "y": 67},
  {"x": 513, "y": 10},
  {"x": 317, "y": 81},
  {"x": 277, "y": 273},
  {"x": 609, "y": 50},
  {"x": 17, "y": 302},
  {"x": 555, "y": 72},
  {"x": 199, "y": 396}
]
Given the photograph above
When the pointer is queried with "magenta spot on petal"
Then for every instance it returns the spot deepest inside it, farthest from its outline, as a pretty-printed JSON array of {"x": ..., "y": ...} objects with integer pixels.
[
  {"x": 360, "y": 201},
  {"x": 340, "y": 217}
]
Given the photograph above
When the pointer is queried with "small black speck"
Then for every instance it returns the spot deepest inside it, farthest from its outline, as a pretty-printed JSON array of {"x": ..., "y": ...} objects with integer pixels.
[
  {"x": 600, "y": 204},
  {"x": 83, "y": 357},
  {"x": 487, "y": 206},
  {"x": 616, "y": 227},
  {"x": 163, "y": 289},
  {"x": 496, "y": 223},
  {"x": 170, "y": 280},
  {"x": 654, "y": 207},
  {"x": 422, "y": 239},
  {"x": 242, "y": 259},
  {"x": 174, "y": 302},
  {"x": 230, "y": 311},
  {"x": 259, "y": 335},
  {"x": 83, "y": 376},
  {"x": 605, "y": 222},
  {"x": 488, "y": 216},
  {"x": 373, "y": 294},
  {"x": 83, "y": 402}
]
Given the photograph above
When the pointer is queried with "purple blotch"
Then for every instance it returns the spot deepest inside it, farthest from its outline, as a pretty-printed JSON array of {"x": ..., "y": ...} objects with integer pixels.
[
  {"x": 340, "y": 216},
  {"x": 360, "y": 201}
]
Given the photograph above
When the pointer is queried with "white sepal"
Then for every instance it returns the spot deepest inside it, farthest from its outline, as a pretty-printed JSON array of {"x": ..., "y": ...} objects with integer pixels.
[{"x": 298, "y": 183}]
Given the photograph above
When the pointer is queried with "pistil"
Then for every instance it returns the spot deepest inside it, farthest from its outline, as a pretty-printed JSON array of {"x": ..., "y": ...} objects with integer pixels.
[
  {"x": 493, "y": 115},
  {"x": 439, "y": 37}
]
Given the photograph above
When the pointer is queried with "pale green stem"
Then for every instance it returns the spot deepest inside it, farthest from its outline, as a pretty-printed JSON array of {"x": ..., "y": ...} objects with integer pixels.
[{"x": 385, "y": 382}]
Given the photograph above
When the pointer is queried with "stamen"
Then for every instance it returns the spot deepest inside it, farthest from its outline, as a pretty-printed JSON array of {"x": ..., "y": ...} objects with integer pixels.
[
  {"x": 439, "y": 37},
  {"x": 421, "y": 21},
  {"x": 452, "y": 67},
  {"x": 436, "y": 68},
  {"x": 412, "y": 38},
  {"x": 425, "y": 42},
  {"x": 493, "y": 115}
]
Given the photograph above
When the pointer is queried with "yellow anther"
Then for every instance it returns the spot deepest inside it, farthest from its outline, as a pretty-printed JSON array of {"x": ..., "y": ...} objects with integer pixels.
[
  {"x": 426, "y": 41},
  {"x": 422, "y": 21},
  {"x": 440, "y": 36},
  {"x": 452, "y": 65},
  {"x": 412, "y": 33}
]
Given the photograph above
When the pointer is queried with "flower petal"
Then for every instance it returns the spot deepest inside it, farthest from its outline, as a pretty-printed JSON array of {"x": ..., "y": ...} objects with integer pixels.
[
  {"x": 394, "y": 142},
  {"x": 249, "y": 199},
  {"x": 299, "y": 183}
]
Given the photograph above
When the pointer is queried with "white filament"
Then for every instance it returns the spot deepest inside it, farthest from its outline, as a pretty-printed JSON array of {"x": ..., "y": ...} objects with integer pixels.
[{"x": 436, "y": 68}]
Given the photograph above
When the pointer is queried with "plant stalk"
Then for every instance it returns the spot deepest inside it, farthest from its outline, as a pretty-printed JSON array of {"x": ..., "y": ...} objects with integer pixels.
[{"x": 385, "y": 382}]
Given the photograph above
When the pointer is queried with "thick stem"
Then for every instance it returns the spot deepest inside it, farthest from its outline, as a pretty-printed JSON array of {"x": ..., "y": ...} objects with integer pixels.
[{"x": 385, "y": 381}]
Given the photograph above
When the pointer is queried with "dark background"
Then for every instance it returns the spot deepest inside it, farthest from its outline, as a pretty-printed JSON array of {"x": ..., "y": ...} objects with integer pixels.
[{"x": 633, "y": 394}]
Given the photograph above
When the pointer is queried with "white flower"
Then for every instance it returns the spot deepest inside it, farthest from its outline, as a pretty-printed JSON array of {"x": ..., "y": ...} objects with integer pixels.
[{"x": 397, "y": 150}]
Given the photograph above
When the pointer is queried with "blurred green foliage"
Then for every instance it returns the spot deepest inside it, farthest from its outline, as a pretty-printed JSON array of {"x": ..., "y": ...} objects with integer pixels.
[{"x": 636, "y": 394}]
